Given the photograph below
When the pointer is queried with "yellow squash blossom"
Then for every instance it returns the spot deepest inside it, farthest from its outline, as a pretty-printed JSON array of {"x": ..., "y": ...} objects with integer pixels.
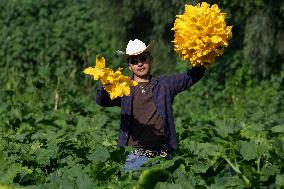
[
  {"x": 201, "y": 33},
  {"x": 98, "y": 70},
  {"x": 116, "y": 84}
]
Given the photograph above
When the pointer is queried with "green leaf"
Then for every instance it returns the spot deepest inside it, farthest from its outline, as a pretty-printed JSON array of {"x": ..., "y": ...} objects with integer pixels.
[
  {"x": 83, "y": 124},
  {"x": 3, "y": 107},
  {"x": 100, "y": 120},
  {"x": 227, "y": 182},
  {"x": 225, "y": 127},
  {"x": 278, "y": 145},
  {"x": 264, "y": 146},
  {"x": 253, "y": 131},
  {"x": 279, "y": 181},
  {"x": 100, "y": 154},
  {"x": 43, "y": 155},
  {"x": 11, "y": 173},
  {"x": 205, "y": 149},
  {"x": 200, "y": 167},
  {"x": 60, "y": 70},
  {"x": 278, "y": 128},
  {"x": 267, "y": 171},
  {"x": 248, "y": 149},
  {"x": 61, "y": 123},
  {"x": 166, "y": 185},
  {"x": 83, "y": 181}
]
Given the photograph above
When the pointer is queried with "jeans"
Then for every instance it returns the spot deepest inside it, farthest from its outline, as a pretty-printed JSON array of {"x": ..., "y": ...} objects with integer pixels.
[{"x": 134, "y": 162}]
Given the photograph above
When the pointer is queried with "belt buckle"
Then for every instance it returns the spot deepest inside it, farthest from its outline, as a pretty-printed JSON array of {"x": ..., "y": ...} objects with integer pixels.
[{"x": 163, "y": 153}]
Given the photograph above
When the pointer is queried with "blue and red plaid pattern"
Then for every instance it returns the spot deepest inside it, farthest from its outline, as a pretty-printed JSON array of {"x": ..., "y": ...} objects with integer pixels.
[{"x": 164, "y": 90}]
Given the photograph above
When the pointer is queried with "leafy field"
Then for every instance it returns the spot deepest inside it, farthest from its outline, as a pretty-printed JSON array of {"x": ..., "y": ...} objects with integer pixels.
[
  {"x": 230, "y": 126},
  {"x": 238, "y": 146}
]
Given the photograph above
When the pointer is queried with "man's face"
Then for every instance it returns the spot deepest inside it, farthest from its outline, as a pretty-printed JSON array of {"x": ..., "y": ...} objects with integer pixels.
[{"x": 140, "y": 64}]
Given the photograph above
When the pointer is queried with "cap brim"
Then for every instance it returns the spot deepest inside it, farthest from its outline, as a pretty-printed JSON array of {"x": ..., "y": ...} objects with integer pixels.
[{"x": 124, "y": 56}]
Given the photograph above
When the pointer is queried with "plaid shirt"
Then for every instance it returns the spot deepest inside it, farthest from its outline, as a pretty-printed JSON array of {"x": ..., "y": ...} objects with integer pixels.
[{"x": 164, "y": 89}]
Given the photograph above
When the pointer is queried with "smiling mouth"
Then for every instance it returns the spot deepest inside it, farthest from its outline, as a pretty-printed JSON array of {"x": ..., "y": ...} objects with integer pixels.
[{"x": 141, "y": 69}]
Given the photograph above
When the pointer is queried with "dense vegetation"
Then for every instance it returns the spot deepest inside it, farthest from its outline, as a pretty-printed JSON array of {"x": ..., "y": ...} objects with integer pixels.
[{"x": 52, "y": 134}]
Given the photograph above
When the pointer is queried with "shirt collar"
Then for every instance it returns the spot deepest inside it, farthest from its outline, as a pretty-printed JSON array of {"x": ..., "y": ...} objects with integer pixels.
[{"x": 153, "y": 80}]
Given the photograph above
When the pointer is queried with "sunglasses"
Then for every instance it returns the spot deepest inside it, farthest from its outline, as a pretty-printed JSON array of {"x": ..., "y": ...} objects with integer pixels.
[{"x": 136, "y": 60}]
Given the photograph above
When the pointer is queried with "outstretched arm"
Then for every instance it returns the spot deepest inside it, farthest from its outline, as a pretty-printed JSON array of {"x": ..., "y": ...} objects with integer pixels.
[
  {"x": 180, "y": 82},
  {"x": 103, "y": 98}
]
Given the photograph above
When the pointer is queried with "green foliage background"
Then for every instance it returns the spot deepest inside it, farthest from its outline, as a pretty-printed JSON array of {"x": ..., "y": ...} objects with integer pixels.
[{"x": 52, "y": 134}]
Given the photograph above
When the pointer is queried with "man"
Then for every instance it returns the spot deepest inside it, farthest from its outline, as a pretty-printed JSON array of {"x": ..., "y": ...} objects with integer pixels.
[{"x": 147, "y": 121}]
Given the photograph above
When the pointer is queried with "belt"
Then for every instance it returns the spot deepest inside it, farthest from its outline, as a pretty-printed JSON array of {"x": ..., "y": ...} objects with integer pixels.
[{"x": 150, "y": 153}]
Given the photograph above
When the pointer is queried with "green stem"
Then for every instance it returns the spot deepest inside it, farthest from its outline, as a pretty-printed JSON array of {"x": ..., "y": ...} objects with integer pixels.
[
  {"x": 258, "y": 160},
  {"x": 258, "y": 164},
  {"x": 237, "y": 170}
]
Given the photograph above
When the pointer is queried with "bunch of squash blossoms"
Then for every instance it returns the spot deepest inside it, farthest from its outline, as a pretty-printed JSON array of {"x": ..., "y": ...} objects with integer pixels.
[
  {"x": 201, "y": 34},
  {"x": 116, "y": 84}
]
